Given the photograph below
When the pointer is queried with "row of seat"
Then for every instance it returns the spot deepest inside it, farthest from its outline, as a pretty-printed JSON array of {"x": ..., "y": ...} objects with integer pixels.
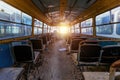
[
  {"x": 95, "y": 53},
  {"x": 25, "y": 51},
  {"x": 105, "y": 59},
  {"x": 89, "y": 50},
  {"x": 41, "y": 42},
  {"x": 25, "y": 55},
  {"x": 92, "y": 52},
  {"x": 74, "y": 43},
  {"x": 113, "y": 74}
]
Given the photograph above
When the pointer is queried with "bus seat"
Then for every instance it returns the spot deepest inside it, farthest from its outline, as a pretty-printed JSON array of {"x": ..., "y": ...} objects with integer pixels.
[
  {"x": 49, "y": 38},
  {"x": 105, "y": 43},
  {"x": 68, "y": 40},
  {"x": 110, "y": 54},
  {"x": 89, "y": 42},
  {"x": 74, "y": 45},
  {"x": 23, "y": 53},
  {"x": 44, "y": 37},
  {"x": 89, "y": 54},
  {"x": 37, "y": 44},
  {"x": 111, "y": 75}
]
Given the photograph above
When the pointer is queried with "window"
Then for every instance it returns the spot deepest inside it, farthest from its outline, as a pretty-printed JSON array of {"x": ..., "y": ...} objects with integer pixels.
[
  {"x": 108, "y": 23},
  {"x": 105, "y": 29},
  {"x": 88, "y": 22},
  {"x": 10, "y": 22},
  {"x": 2, "y": 31},
  {"x": 117, "y": 28},
  {"x": 9, "y": 13},
  {"x": 88, "y": 31},
  {"x": 37, "y": 27},
  {"x": 28, "y": 30},
  {"x": 45, "y": 28},
  {"x": 45, "y": 31},
  {"x": 86, "y": 27},
  {"x": 115, "y": 15},
  {"x": 38, "y": 23},
  {"x": 103, "y": 26},
  {"x": 83, "y": 24},
  {"x": 10, "y": 30},
  {"x": 77, "y": 28},
  {"x": 49, "y": 29},
  {"x": 53, "y": 29},
  {"x": 103, "y": 18},
  {"x": 26, "y": 19},
  {"x": 72, "y": 29},
  {"x": 37, "y": 30}
]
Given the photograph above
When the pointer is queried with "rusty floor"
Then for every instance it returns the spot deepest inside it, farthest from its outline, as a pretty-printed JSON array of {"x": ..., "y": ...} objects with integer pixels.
[{"x": 58, "y": 65}]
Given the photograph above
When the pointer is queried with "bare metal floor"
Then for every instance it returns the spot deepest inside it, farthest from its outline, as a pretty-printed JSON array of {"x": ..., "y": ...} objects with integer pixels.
[{"x": 58, "y": 65}]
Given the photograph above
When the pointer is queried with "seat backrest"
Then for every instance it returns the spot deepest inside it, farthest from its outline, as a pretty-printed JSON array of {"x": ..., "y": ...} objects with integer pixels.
[
  {"x": 23, "y": 53},
  {"x": 44, "y": 38},
  {"x": 89, "y": 52},
  {"x": 68, "y": 39},
  {"x": 75, "y": 44},
  {"x": 107, "y": 42},
  {"x": 37, "y": 44},
  {"x": 83, "y": 38},
  {"x": 89, "y": 42},
  {"x": 110, "y": 54},
  {"x": 48, "y": 37}
]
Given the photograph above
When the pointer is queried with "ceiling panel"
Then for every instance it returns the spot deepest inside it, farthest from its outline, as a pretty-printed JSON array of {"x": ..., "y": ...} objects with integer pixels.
[{"x": 71, "y": 8}]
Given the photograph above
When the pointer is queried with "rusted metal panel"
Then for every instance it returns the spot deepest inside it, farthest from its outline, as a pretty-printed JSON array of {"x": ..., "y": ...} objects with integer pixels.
[{"x": 99, "y": 7}]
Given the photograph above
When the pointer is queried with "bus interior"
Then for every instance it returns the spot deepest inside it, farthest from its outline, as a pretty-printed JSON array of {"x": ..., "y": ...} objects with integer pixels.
[{"x": 59, "y": 40}]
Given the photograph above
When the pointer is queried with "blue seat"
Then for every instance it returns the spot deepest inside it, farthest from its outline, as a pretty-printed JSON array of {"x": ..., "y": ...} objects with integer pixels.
[{"x": 105, "y": 43}]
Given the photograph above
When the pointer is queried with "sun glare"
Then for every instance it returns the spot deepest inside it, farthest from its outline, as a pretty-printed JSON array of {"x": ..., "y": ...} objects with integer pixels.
[{"x": 63, "y": 30}]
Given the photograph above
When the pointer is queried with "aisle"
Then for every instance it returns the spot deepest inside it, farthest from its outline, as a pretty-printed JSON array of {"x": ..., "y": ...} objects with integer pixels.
[{"x": 57, "y": 65}]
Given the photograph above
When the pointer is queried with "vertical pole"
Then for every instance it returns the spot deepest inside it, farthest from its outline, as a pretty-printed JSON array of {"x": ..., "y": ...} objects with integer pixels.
[
  {"x": 42, "y": 28},
  {"x": 74, "y": 29},
  {"x": 33, "y": 21},
  {"x": 50, "y": 28},
  {"x": 94, "y": 27},
  {"x": 47, "y": 28},
  {"x": 70, "y": 29},
  {"x": 80, "y": 28}
]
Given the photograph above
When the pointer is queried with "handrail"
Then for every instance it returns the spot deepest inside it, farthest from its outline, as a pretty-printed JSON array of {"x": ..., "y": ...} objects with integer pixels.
[{"x": 113, "y": 68}]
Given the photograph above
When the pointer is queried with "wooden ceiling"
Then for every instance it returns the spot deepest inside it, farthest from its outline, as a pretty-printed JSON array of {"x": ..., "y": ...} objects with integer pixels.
[{"x": 30, "y": 8}]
